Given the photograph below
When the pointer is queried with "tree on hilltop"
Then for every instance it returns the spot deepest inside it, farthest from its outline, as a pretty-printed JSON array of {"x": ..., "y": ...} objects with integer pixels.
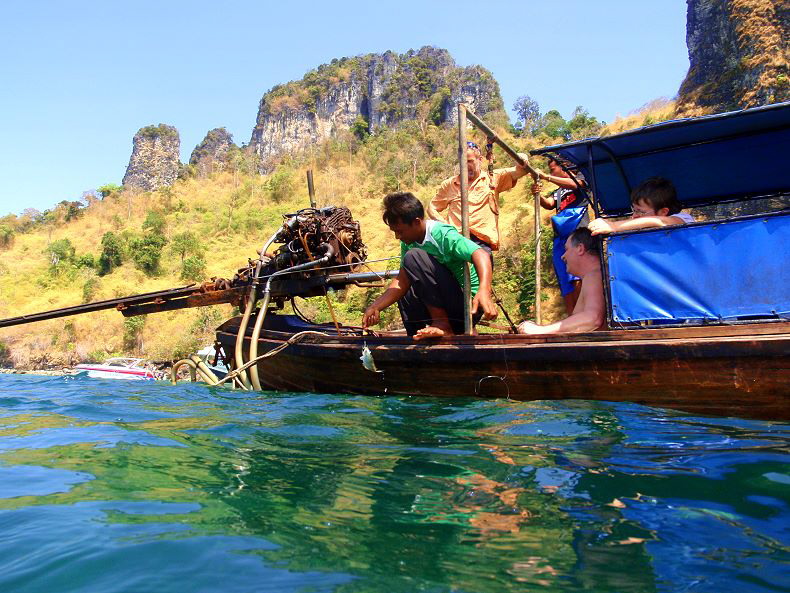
[{"x": 527, "y": 113}]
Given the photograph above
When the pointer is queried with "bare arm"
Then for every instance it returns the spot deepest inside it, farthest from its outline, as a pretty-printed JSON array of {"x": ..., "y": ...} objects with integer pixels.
[
  {"x": 601, "y": 226},
  {"x": 518, "y": 171},
  {"x": 563, "y": 182},
  {"x": 547, "y": 202},
  {"x": 482, "y": 263},
  {"x": 397, "y": 288},
  {"x": 587, "y": 316}
]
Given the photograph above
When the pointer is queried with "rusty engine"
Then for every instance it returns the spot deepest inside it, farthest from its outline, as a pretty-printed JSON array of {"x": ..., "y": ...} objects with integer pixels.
[
  {"x": 312, "y": 233},
  {"x": 307, "y": 235}
]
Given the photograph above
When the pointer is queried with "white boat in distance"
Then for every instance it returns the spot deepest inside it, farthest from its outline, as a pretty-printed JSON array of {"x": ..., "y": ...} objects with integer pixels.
[
  {"x": 135, "y": 369},
  {"x": 208, "y": 355}
]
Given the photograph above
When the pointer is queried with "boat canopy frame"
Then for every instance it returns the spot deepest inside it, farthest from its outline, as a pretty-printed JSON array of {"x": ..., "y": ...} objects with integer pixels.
[
  {"x": 694, "y": 153},
  {"x": 726, "y": 143}
]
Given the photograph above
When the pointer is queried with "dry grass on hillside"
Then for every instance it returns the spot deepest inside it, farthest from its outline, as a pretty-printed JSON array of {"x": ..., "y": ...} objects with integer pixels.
[
  {"x": 233, "y": 214},
  {"x": 654, "y": 112}
]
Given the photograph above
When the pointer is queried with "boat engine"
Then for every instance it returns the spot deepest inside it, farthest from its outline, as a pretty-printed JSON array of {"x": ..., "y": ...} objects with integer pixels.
[{"x": 310, "y": 234}]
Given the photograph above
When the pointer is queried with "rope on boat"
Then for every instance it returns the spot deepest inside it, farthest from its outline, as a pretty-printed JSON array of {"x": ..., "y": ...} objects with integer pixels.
[
  {"x": 513, "y": 329},
  {"x": 209, "y": 377}
]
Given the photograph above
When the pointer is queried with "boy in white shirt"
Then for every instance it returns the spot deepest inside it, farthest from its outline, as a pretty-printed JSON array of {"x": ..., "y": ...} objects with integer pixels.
[{"x": 654, "y": 203}]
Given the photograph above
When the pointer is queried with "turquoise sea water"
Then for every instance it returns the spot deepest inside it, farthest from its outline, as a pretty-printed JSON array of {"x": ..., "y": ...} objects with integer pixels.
[{"x": 112, "y": 486}]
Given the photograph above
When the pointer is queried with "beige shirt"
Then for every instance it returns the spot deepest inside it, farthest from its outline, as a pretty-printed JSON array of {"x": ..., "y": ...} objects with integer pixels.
[{"x": 483, "y": 202}]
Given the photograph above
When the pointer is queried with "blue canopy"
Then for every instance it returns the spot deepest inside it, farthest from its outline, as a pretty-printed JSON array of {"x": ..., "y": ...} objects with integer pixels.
[
  {"x": 710, "y": 159},
  {"x": 713, "y": 271}
]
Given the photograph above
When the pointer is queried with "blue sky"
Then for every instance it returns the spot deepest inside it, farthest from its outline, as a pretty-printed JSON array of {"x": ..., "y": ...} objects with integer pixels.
[{"x": 78, "y": 78}]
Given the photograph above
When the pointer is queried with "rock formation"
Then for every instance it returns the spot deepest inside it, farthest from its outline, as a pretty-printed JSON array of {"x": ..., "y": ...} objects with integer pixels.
[
  {"x": 738, "y": 55},
  {"x": 155, "y": 160},
  {"x": 213, "y": 152},
  {"x": 367, "y": 92}
]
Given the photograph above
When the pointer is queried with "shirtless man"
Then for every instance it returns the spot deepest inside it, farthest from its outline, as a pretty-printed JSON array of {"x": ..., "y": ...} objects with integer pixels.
[
  {"x": 582, "y": 259},
  {"x": 654, "y": 204}
]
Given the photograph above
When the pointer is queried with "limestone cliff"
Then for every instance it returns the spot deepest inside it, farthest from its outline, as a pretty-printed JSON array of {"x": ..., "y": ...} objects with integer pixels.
[
  {"x": 155, "y": 160},
  {"x": 368, "y": 92},
  {"x": 738, "y": 55},
  {"x": 213, "y": 152}
]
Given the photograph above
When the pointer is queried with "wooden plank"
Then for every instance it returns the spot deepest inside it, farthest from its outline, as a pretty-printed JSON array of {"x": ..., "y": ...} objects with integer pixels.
[{"x": 693, "y": 332}]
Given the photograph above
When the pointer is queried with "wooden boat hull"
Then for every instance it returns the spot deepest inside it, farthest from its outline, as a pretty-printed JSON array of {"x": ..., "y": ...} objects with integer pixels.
[{"x": 733, "y": 371}]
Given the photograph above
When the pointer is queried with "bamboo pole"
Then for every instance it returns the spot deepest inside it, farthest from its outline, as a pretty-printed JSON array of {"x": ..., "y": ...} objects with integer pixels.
[{"x": 464, "y": 177}]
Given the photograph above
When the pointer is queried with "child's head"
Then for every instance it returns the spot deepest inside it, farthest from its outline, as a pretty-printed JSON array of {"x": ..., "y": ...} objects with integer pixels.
[
  {"x": 559, "y": 167},
  {"x": 655, "y": 197}
]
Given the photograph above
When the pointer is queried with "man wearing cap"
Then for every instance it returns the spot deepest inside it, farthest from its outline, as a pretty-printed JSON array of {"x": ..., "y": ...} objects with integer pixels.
[{"x": 484, "y": 190}]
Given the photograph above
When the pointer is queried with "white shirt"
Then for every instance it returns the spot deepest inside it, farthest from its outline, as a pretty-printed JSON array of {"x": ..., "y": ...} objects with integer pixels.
[{"x": 684, "y": 216}]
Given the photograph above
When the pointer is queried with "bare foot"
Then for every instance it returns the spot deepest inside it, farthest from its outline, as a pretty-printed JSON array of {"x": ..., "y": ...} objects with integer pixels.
[{"x": 432, "y": 331}]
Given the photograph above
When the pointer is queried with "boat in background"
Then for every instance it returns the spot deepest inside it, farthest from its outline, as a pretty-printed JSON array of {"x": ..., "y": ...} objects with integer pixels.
[
  {"x": 135, "y": 369},
  {"x": 209, "y": 356}
]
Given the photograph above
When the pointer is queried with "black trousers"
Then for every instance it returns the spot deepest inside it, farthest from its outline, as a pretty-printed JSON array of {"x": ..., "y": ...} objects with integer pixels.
[{"x": 431, "y": 284}]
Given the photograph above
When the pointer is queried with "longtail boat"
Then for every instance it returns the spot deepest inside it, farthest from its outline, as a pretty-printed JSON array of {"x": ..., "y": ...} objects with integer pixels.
[
  {"x": 726, "y": 370},
  {"x": 698, "y": 316}
]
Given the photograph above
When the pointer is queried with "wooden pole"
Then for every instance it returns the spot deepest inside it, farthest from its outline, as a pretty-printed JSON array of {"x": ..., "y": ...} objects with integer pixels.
[
  {"x": 310, "y": 188},
  {"x": 481, "y": 125},
  {"x": 537, "y": 258},
  {"x": 464, "y": 177}
]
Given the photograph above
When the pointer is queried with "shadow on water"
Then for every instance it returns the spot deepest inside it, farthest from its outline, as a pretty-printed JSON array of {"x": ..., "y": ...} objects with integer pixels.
[{"x": 122, "y": 487}]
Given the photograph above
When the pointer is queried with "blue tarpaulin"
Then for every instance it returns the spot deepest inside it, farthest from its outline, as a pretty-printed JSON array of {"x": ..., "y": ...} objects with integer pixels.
[
  {"x": 729, "y": 156},
  {"x": 720, "y": 270}
]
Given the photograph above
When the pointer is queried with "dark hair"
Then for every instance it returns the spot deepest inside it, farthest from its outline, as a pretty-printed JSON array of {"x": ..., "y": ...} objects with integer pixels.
[
  {"x": 572, "y": 171},
  {"x": 563, "y": 163},
  {"x": 402, "y": 206},
  {"x": 583, "y": 236},
  {"x": 658, "y": 193}
]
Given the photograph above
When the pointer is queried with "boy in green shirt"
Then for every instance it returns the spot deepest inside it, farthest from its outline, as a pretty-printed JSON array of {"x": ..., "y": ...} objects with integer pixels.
[{"x": 428, "y": 287}]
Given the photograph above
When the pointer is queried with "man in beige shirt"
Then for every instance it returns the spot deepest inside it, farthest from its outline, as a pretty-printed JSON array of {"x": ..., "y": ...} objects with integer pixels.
[{"x": 484, "y": 191}]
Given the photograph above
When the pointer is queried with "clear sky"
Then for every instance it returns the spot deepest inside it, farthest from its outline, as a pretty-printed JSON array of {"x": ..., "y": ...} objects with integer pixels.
[{"x": 78, "y": 78}]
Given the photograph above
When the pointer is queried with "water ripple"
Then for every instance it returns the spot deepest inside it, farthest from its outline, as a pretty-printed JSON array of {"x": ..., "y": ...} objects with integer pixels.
[{"x": 110, "y": 486}]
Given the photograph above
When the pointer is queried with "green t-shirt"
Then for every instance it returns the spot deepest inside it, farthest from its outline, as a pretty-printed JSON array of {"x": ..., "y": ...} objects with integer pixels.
[{"x": 449, "y": 247}]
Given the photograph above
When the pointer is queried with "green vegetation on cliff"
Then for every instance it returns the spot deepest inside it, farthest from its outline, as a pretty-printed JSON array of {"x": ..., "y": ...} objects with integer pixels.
[
  {"x": 160, "y": 131},
  {"x": 421, "y": 81}
]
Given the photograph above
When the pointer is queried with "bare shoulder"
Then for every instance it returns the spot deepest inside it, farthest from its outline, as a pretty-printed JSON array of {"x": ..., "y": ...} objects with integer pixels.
[{"x": 592, "y": 289}]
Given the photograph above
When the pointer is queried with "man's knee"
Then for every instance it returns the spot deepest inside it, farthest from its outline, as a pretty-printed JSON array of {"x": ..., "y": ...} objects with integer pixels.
[{"x": 415, "y": 259}]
